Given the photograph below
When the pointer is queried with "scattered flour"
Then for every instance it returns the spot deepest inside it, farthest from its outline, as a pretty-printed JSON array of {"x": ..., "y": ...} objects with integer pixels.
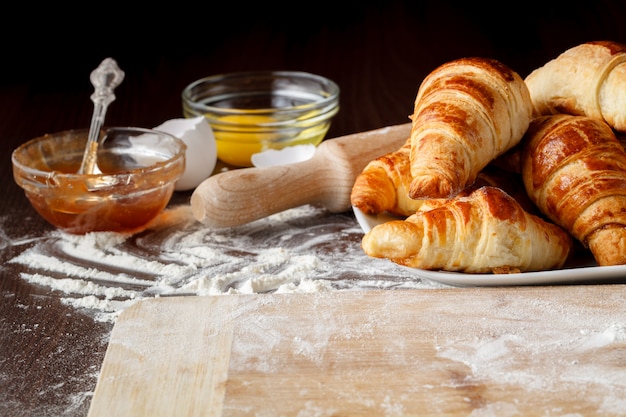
[{"x": 304, "y": 249}]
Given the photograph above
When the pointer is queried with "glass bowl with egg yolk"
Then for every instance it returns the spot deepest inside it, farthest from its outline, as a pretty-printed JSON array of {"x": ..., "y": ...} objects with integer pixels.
[{"x": 251, "y": 112}]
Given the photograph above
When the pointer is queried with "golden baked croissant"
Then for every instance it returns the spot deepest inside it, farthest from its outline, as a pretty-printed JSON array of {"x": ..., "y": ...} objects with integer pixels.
[
  {"x": 485, "y": 231},
  {"x": 467, "y": 112},
  {"x": 574, "y": 170},
  {"x": 586, "y": 80},
  {"x": 383, "y": 185}
]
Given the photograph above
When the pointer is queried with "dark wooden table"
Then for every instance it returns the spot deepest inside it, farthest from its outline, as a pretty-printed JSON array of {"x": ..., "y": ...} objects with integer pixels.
[{"x": 378, "y": 53}]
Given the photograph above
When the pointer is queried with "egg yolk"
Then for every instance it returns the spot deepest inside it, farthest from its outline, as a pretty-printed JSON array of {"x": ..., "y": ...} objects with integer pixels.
[{"x": 252, "y": 135}]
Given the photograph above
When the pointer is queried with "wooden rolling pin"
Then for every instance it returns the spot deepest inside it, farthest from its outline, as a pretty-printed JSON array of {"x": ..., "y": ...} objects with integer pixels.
[{"x": 240, "y": 196}]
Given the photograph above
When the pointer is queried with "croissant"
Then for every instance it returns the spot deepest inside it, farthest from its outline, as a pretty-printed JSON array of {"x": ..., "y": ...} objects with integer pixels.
[
  {"x": 485, "y": 231},
  {"x": 586, "y": 80},
  {"x": 383, "y": 185},
  {"x": 467, "y": 112},
  {"x": 574, "y": 170}
]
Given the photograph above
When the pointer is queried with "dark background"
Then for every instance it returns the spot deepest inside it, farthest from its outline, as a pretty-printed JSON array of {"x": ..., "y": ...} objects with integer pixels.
[{"x": 378, "y": 52}]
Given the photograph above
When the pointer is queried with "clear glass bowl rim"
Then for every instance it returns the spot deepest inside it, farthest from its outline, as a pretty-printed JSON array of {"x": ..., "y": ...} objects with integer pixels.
[
  {"x": 329, "y": 103},
  {"x": 28, "y": 171}
]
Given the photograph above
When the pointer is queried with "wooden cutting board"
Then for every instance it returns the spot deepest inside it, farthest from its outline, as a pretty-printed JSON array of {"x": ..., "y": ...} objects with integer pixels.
[{"x": 531, "y": 351}]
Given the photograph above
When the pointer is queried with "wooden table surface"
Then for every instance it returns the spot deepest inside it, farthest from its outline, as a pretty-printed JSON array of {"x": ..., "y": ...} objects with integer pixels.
[{"x": 378, "y": 53}]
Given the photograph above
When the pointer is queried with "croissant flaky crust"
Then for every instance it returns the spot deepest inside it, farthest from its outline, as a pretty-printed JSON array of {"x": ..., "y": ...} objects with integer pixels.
[
  {"x": 574, "y": 170},
  {"x": 586, "y": 80},
  {"x": 383, "y": 185},
  {"x": 485, "y": 231},
  {"x": 467, "y": 112}
]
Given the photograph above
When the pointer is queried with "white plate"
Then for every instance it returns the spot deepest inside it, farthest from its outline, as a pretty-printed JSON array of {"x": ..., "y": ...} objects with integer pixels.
[{"x": 592, "y": 273}]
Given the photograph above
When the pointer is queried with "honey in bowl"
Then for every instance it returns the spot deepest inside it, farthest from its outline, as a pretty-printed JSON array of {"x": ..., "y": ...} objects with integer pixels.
[{"x": 139, "y": 168}]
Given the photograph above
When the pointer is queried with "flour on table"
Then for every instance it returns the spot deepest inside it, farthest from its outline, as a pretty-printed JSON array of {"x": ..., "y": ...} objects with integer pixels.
[{"x": 305, "y": 249}]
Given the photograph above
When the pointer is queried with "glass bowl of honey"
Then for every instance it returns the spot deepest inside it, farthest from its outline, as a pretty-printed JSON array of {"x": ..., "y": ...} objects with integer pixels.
[
  {"x": 251, "y": 112},
  {"x": 132, "y": 183}
]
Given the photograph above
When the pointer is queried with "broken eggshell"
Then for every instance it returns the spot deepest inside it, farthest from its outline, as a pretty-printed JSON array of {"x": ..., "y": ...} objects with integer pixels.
[
  {"x": 201, "y": 154},
  {"x": 287, "y": 155}
]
